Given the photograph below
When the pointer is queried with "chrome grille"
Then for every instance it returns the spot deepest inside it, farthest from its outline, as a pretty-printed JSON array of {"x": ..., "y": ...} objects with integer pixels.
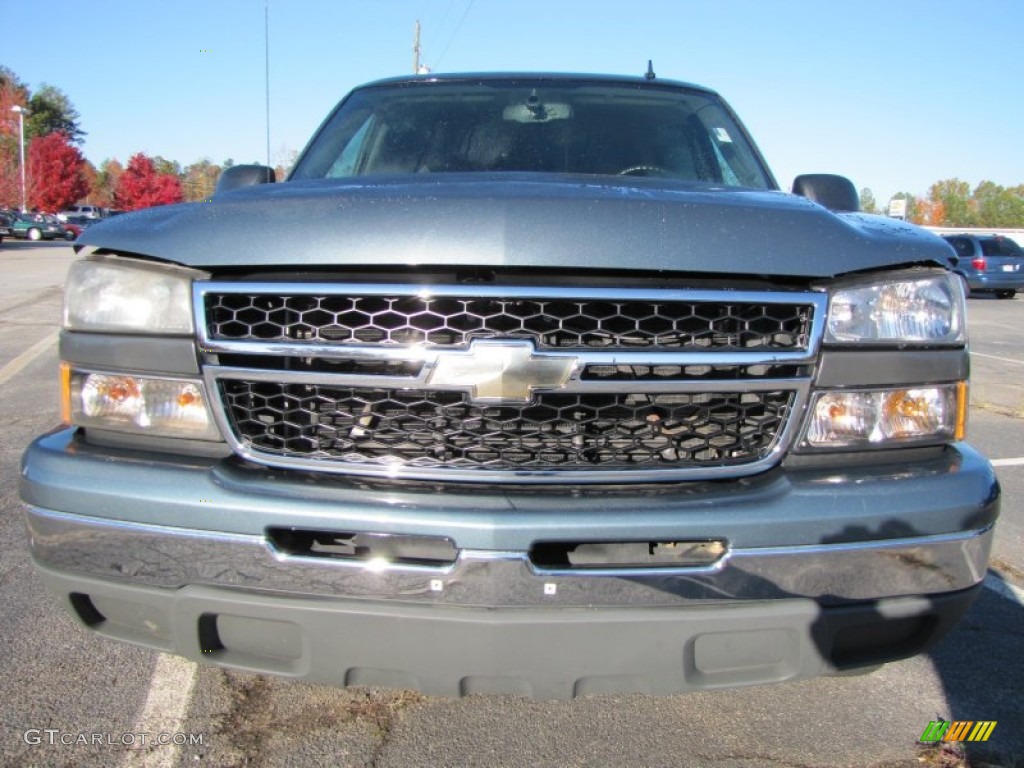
[
  {"x": 555, "y": 431},
  {"x": 552, "y": 322},
  {"x": 388, "y": 380}
]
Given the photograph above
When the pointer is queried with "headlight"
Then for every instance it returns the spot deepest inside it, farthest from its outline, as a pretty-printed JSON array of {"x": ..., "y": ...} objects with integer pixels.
[
  {"x": 888, "y": 417},
  {"x": 924, "y": 310},
  {"x": 144, "y": 405},
  {"x": 129, "y": 296}
]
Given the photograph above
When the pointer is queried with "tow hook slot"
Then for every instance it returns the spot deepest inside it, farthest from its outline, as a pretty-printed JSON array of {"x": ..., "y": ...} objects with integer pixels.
[
  {"x": 627, "y": 554},
  {"x": 371, "y": 548}
]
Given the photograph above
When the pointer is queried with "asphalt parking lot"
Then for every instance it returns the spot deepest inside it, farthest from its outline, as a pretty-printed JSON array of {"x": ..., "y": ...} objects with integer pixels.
[{"x": 70, "y": 699}]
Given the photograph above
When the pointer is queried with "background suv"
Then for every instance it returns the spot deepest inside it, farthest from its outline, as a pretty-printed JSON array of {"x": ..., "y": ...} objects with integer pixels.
[{"x": 989, "y": 263}]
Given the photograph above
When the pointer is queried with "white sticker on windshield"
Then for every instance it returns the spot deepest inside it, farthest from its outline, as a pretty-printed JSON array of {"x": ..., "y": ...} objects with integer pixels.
[{"x": 723, "y": 136}]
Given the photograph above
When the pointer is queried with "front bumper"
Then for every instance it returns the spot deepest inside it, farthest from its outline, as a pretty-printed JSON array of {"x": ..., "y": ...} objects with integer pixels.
[{"x": 824, "y": 569}]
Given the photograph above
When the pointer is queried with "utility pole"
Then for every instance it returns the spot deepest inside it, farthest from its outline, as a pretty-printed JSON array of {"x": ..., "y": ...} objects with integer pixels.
[
  {"x": 416, "y": 49},
  {"x": 266, "y": 53},
  {"x": 21, "y": 133}
]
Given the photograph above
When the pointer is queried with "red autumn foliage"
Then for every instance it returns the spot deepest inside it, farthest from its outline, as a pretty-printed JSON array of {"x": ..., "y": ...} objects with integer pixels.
[
  {"x": 12, "y": 92},
  {"x": 55, "y": 173},
  {"x": 140, "y": 186}
]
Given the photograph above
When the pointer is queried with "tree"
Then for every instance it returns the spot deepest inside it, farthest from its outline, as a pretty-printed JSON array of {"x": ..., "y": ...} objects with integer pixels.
[
  {"x": 284, "y": 161},
  {"x": 867, "y": 201},
  {"x": 91, "y": 176},
  {"x": 52, "y": 111},
  {"x": 142, "y": 186},
  {"x": 955, "y": 198},
  {"x": 929, "y": 214},
  {"x": 163, "y": 165},
  {"x": 997, "y": 206},
  {"x": 55, "y": 173},
  {"x": 13, "y": 92},
  {"x": 200, "y": 179},
  {"x": 105, "y": 186}
]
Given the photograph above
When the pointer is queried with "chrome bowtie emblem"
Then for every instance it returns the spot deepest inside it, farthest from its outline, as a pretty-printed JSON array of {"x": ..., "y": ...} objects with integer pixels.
[{"x": 501, "y": 371}]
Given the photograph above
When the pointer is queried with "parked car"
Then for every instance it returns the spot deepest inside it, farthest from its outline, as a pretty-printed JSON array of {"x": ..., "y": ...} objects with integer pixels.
[
  {"x": 37, "y": 226},
  {"x": 75, "y": 225},
  {"x": 5, "y": 225},
  {"x": 989, "y": 263},
  {"x": 523, "y": 384}
]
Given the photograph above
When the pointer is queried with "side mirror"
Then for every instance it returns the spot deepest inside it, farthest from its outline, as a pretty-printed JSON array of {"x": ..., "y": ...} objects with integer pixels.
[
  {"x": 244, "y": 176},
  {"x": 836, "y": 193}
]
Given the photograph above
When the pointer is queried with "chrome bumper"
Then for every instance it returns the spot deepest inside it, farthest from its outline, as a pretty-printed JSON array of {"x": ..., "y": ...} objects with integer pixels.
[{"x": 173, "y": 558}]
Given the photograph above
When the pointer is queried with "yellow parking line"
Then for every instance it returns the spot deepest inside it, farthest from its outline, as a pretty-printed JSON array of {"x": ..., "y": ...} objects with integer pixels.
[{"x": 21, "y": 361}]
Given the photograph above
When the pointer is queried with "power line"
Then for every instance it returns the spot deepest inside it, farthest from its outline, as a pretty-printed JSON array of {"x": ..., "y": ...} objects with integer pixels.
[
  {"x": 437, "y": 64},
  {"x": 432, "y": 36}
]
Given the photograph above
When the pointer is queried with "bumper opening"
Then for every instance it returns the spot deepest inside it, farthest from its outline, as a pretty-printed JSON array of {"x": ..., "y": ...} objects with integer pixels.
[
  {"x": 626, "y": 554},
  {"x": 368, "y": 548},
  {"x": 85, "y": 609}
]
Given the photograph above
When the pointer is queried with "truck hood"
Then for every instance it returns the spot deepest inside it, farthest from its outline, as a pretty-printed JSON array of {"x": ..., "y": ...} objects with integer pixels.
[{"x": 518, "y": 221}]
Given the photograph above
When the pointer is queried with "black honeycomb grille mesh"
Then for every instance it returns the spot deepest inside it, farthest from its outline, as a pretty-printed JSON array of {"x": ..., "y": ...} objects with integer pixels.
[
  {"x": 441, "y": 429},
  {"x": 551, "y": 323}
]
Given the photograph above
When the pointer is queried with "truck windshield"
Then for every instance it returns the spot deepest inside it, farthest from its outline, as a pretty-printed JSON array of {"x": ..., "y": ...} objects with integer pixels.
[{"x": 537, "y": 126}]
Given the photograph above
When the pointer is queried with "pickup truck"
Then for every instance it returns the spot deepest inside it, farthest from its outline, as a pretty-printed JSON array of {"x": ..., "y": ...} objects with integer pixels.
[{"x": 522, "y": 384}]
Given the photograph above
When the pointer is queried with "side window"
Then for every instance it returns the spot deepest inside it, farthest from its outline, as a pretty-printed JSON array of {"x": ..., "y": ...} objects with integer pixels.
[
  {"x": 963, "y": 246},
  {"x": 736, "y": 165},
  {"x": 999, "y": 246},
  {"x": 350, "y": 156}
]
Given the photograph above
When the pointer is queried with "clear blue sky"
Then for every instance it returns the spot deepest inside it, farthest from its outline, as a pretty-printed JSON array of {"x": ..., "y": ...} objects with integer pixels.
[{"x": 895, "y": 95}]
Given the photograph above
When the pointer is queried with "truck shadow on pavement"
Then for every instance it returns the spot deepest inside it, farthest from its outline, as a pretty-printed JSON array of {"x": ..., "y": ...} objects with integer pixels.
[{"x": 981, "y": 667}]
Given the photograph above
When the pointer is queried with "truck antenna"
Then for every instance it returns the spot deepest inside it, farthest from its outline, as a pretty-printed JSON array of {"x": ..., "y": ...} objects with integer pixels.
[{"x": 650, "y": 71}]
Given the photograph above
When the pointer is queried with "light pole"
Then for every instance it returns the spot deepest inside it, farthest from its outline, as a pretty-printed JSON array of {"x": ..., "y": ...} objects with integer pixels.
[{"x": 21, "y": 131}]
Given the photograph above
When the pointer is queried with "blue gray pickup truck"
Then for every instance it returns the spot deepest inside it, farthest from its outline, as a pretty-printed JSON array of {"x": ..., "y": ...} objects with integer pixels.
[{"x": 528, "y": 384}]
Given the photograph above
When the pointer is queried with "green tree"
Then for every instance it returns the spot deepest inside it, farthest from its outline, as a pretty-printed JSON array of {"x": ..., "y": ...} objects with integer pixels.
[
  {"x": 170, "y": 167},
  {"x": 868, "y": 204},
  {"x": 997, "y": 206},
  {"x": 52, "y": 111},
  {"x": 954, "y": 197}
]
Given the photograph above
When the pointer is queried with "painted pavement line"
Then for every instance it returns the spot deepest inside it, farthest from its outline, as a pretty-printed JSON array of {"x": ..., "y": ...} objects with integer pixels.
[
  {"x": 170, "y": 691},
  {"x": 19, "y": 363},
  {"x": 1004, "y": 588},
  {"x": 1017, "y": 462},
  {"x": 996, "y": 357}
]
